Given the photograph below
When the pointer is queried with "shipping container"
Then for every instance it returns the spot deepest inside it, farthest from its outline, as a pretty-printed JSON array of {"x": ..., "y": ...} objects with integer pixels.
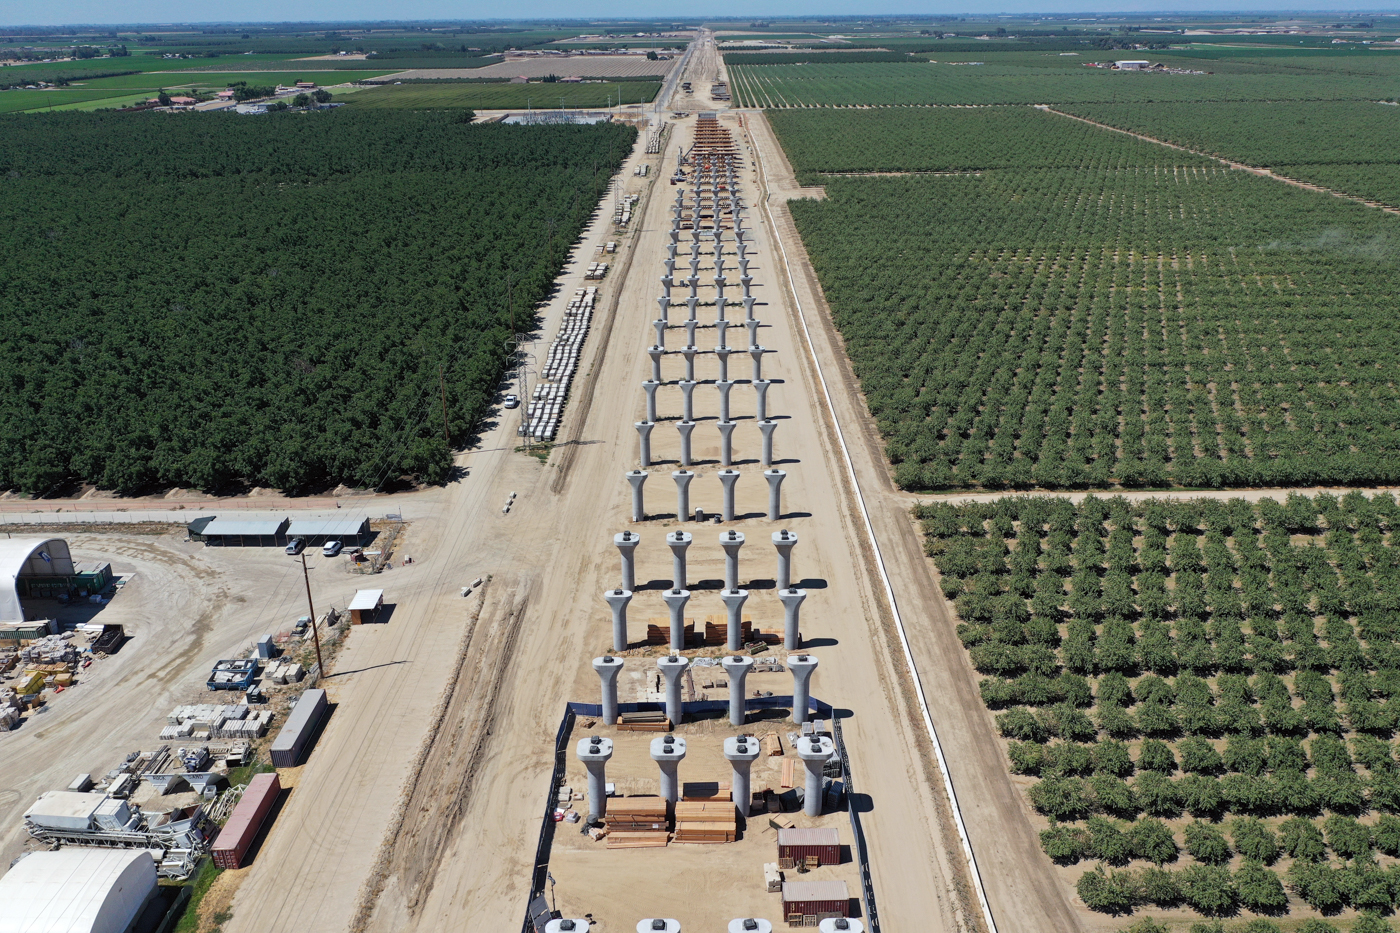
[
  {"x": 797, "y": 846},
  {"x": 299, "y": 729},
  {"x": 805, "y": 903},
  {"x": 246, "y": 821}
]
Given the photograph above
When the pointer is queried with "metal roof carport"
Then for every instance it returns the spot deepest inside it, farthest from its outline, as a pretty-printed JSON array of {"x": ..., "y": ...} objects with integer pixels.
[
  {"x": 246, "y": 532},
  {"x": 350, "y": 530}
]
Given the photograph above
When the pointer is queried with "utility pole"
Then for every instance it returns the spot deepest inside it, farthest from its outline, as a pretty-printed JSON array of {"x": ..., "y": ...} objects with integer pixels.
[
  {"x": 442, "y": 385},
  {"x": 315, "y": 634}
]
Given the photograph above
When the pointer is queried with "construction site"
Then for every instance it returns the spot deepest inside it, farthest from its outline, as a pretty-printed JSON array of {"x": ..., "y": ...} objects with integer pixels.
[{"x": 641, "y": 666}]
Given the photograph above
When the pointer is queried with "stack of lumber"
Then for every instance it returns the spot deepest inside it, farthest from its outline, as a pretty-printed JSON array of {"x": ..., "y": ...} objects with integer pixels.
[
  {"x": 772, "y": 744},
  {"x": 636, "y": 822},
  {"x": 643, "y": 722},
  {"x": 659, "y": 631},
  {"x": 711, "y": 791},
  {"x": 717, "y": 629},
  {"x": 705, "y": 821},
  {"x": 789, "y": 772}
]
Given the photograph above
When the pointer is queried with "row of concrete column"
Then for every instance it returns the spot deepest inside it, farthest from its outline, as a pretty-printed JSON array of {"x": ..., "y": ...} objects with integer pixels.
[
  {"x": 686, "y": 426},
  {"x": 738, "y": 925},
  {"x": 728, "y": 478},
  {"x": 737, "y": 667}
]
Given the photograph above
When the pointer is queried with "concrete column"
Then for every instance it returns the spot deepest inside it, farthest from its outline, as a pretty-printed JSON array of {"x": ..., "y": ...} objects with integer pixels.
[
  {"x": 649, "y": 387},
  {"x": 742, "y": 751},
  {"x": 791, "y": 598},
  {"x": 667, "y": 751},
  {"x": 626, "y": 542},
  {"x": 719, "y": 309},
  {"x": 719, "y": 263},
  {"x": 694, "y": 283},
  {"x": 731, "y": 541},
  {"x": 660, "y": 326},
  {"x": 720, "y": 282},
  {"x": 638, "y": 479},
  {"x": 737, "y": 667},
  {"x": 746, "y": 281},
  {"x": 694, "y": 265},
  {"x": 760, "y": 389},
  {"x": 682, "y": 478},
  {"x": 775, "y": 493},
  {"x": 748, "y": 306},
  {"x": 719, "y": 244},
  {"x": 608, "y": 668},
  {"x": 617, "y": 602},
  {"x": 721, "y": 332},
  {"x": 756, "y": 352},
  {"x": 656, "y": 352},
  {"x": 644, "y": 439},
  {"x": 802, "y": 666},
  {"x": 670, "y": 265},
  {"x": 675, "y": 600},
  {"x": 724, "y": 385},
  {"x": 753, "y": 324},
  {"x": 722, "y": 354},
  {"x": 688, "y": 352},
  {"x": 688, "y": 399},
  {"x": 595, "y": 752},
  {"x": 690, "y": 326},
  {"x": 741, "y": 248},
  {"x": 814, "y": 752},
  {"x": 728, "y": 478},
  {"x": 679, "y": 543},
  {"x": 685, "y": 427},
  {"x": 690, "y": 304},
  {"x": 734, "y": 607},
  {"x": 670, "y": 250},
  {"x": 664, "y": 303},
  {"x": 767, "y": 427},
  {"x": 726, "y": 441},
  {"x": 666, "y": 281},
  {"x": 675, "y": 234},
  {"x": 672, "y": 667},
  {"x": 784, "y": 541}
]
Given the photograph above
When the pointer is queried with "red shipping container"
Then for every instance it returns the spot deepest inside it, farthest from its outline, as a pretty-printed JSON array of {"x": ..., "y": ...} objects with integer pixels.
[
  {"x": 245, "y": 821},
  {"x": 800, "y": 844},
  {"x": 802, "y": 899}
]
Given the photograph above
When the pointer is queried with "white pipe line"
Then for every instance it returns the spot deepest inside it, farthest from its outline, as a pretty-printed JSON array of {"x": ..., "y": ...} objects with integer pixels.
[{"x": 879, "y": 562}]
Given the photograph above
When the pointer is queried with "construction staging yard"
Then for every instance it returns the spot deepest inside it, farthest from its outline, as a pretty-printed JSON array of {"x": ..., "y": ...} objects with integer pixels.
[{"x": 422, "y": 802}]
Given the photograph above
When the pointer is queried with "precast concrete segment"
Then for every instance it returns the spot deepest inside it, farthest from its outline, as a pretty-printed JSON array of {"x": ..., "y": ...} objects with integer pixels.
[
  {"x": 685, "y": 428},
  {"x": 731, "y": 541},
  {"x": 775, "y": 493},
  {"x": 733, "y": 600},
  {"x": 814, "y": 752},
  {"x": 726, "y": 442},
  {"x": 617, "y": 602},
  {"x": 672, "y": 667},
  {"x": 784, "y": 541},
  {"x": 742, "y": 751},
  {"x": 724, "y": 387},
  {"x": 688, "y": 399},
  {"x": 650, "y": 386},
  {"x": 656, "y": 352},
  {"x": 638, "y": 479},
  {"x": 594, "y": 752},
  {"x": 792, "y": 598},
  {"x": 667, "y": 751},
  {"x": 679, "y": 542},
  {"x": 644, "y": 441},
  {"x": 750, "y": 925},
  {"x": 760, "y": 390},
  {"x": 683, "y": 478},
  {"x": 608, "y": 668},
  {"x": 766, "y": 427},
  {"x": 626, "y": 542},
  {"x": 737, "y": 666},
  {"x": 675, "y": 600},
  {"x": 802, "y": 666},
  {"x": 727, "y": 479}
]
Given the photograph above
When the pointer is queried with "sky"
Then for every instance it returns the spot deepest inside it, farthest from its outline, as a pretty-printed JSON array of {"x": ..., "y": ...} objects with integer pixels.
[{"x": 13, "y": 13}]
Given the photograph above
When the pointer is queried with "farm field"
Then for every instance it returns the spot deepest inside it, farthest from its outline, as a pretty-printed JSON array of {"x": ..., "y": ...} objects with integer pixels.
[
  {"x": 1201, "y": 692},
  {"x": 1353, "y": 147},
  {"x": 221, "y": 80},
  {"x": 901, "y": 84},
  {"x": 1144, "y": 319},
  {"x": 502, "y": 96},
  {"x": 282, "y": 295}
]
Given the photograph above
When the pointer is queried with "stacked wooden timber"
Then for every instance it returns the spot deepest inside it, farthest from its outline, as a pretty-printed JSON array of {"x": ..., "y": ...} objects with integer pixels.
[
  {"x": 659, "y": 631},
  {"x": 643, "y": 722},
  {"x": 636, "y": 822},
  {"x": 708, "y": 791},
  {"x": 717, "y": 629},
  {"x": 771, "y": 743},
  {"x": 705, "y": 821}
]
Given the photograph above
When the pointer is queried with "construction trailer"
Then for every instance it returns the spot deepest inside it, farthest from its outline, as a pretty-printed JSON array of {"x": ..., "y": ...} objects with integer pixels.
[{"x": 808, "y": 847}]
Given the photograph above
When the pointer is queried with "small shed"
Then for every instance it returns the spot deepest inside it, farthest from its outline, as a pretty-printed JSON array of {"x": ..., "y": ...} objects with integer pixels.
[
  {"x": 808, "y": 846},
  {"x": 245, "y": 532},
  {"x": 350, "y": 530},
  {"x": 805, "y": 903},
  {"x": 365, "y": 606}
]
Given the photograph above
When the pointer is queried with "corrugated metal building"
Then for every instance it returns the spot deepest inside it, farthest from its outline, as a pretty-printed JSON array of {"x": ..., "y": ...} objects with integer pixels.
[
  {"x": 351, "y": 530},
  {"x": 810, "y": 846},
  {"x": 33, "y": 566},
  {"x": 806, "y": 903},
  {"x": 76, "y": 890},
  {"x": 245, "y": 532}
]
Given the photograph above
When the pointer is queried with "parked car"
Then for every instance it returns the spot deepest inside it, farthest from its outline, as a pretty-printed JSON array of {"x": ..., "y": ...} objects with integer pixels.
[
  {"x": 512, "y": 401},
  {"x": 296, "y": 545},
  {"x": 331, "y": 548}
]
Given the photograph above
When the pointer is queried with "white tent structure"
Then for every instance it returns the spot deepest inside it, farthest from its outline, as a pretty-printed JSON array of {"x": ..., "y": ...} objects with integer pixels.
[
  {"x": 29, "y": 557},
  {"x": 76, "y": 890}
]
